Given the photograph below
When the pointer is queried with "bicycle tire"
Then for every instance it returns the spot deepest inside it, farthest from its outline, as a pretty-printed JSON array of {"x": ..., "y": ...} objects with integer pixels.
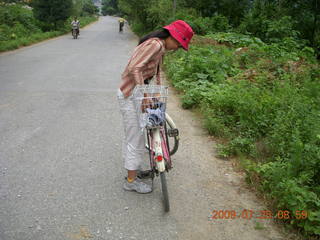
[
  {"x": 165, "y": 192},
  {"x": 173, "y": 146}
]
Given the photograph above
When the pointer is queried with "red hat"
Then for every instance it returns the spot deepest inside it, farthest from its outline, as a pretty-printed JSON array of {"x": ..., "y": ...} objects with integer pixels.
[{"x": 180, "y": 31}]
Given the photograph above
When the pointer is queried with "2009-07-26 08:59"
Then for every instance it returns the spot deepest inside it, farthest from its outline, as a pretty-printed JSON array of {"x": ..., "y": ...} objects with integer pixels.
[{"x": 261, "y": 214}]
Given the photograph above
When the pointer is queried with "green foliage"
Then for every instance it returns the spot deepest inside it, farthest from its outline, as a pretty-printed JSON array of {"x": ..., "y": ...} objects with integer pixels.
[
  {"x": 16, "y": 21},
  {"x": 236, "y": 39},
  {"x": 280, "y": 29},
  {"x": 137, "y": 13},
  {"x": 89, "y": 9},
  {"x": 52, "y": 14},
  {"x": 265, "y": 101},
  {"x": 270, "y": 30},
  {"x": 108, "y": 11},
  {"x": 109, "y": 7},
  {"x": 232, "y": 10},
  {"x": 270, "y": 21},
  {"x": 206, "y": 25},
  {"x": 22, "y": 30},
  {"x": 84, "y": 8},
  {"x": 159, "y": 13},
  {"x": 26, "y": 40}
]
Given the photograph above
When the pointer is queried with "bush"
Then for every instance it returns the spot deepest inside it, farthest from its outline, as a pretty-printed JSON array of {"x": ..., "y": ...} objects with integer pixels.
[
  {"x": 236, "y": 39},
  {"x": 18, "y": 35},
  {"x": 17, "y": 21},
  {"x": 108, "y": 10},
  {"x": 270, "y": 30},
  {"x": 204, "y": 25},
  {"x": 265, "y": 101}
]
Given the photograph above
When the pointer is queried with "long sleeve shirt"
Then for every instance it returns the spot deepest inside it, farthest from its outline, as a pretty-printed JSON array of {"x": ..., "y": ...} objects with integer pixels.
[{"x": 143, "y": 65}]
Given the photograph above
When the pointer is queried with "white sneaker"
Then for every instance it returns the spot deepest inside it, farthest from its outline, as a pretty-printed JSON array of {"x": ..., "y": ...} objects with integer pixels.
[{"x": 138, "y": 186}]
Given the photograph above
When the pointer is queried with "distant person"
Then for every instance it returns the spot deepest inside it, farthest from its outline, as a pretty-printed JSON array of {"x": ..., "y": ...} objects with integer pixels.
[
  {"x": 121, "y": 24},
  {"x": 76, "y": 25},
  {"x": 142, "y": 67}
]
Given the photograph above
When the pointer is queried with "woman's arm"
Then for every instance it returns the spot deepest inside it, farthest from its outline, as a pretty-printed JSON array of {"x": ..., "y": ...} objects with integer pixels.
[{"x": 150, "y": 51}]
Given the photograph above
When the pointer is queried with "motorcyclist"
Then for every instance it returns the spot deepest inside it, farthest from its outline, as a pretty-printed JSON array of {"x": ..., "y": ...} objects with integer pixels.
[{"x": 76, "y": 25}]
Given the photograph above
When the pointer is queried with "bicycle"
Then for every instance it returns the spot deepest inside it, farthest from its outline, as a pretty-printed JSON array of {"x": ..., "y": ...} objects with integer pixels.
[
  {"x": 172, "y": 133},
  {"x": 150, "y": 102}
]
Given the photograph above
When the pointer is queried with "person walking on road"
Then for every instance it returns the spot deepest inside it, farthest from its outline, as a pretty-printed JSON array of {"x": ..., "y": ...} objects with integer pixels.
[
  {"x": 142, "y": 67},
  {"x": 121, "y": 24}
]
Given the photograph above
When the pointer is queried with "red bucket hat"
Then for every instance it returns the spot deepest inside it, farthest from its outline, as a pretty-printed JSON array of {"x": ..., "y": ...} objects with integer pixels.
[{"x": 181, "y": 31}]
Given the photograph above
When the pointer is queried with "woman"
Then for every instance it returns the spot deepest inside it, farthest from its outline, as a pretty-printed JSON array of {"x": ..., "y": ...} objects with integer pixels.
[{"x": 142, "y": 67}]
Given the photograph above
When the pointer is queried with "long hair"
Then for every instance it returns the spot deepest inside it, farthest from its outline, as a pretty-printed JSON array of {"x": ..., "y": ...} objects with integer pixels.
[{"x": 162, "y": 34}]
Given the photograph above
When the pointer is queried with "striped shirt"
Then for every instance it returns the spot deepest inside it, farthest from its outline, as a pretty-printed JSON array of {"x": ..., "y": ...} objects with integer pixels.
[{"x": 143, "y": 65}]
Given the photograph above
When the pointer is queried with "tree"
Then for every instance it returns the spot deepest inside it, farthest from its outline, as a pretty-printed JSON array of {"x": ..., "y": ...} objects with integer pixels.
[
  {"x": 89, "y": 8},
  {"x": 110, "y": 7},
  {"x": 52, "y": 13}
]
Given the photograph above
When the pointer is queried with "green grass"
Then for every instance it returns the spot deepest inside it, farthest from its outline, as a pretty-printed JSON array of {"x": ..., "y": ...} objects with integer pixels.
[{"x": 39, "y": 36}]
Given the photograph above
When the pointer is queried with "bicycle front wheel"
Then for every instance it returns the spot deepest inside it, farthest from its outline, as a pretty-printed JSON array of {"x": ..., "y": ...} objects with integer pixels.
[
  {"x": 165, "y": 192},
  {"x": 172, "y": 135}
]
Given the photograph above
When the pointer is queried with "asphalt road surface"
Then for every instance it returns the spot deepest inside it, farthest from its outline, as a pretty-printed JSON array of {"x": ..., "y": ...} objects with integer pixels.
[{"x": 61, "y": 172}]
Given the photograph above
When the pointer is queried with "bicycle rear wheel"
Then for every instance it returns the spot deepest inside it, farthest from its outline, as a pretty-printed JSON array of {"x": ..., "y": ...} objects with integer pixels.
[{"x": 165, "y": 192}]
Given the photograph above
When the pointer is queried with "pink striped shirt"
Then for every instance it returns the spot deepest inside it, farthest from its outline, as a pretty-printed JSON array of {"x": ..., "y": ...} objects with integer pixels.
[{"x": 142, "y": 65}]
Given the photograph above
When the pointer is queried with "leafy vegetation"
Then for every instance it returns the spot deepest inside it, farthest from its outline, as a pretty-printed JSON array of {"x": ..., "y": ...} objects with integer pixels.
[
  {"x": 109, "y": 7},
  {"x": 52, "y": 14},
  {"x": 19, "y": 26},
  {"x": 268, "y": 20},
  {"x": 264, "y": 100}
]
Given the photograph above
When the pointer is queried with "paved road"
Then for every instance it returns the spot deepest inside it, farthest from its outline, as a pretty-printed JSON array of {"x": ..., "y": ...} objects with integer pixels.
[{"x": 61, "y": 170}]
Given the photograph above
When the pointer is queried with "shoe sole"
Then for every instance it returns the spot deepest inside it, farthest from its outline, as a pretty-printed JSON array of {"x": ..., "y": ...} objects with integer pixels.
[{"x": 133, "y": 190}]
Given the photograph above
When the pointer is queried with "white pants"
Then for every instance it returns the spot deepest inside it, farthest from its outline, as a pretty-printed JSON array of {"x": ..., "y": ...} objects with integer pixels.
[{"x": 133, "y": 142}]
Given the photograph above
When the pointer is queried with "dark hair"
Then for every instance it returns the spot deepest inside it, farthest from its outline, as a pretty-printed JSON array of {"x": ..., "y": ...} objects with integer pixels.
[{"x": 162, "y": 34}]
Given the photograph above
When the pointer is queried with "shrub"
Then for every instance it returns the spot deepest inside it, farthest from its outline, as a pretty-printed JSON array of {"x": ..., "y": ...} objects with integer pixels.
[{"x": 265, "y": 101}]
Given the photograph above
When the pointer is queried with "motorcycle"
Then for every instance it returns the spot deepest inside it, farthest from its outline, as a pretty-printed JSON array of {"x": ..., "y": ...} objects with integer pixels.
[{"x": 75, "y": 32}]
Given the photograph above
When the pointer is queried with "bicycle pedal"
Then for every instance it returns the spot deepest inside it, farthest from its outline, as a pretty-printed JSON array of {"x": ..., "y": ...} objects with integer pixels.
[{"x": 173, "y": 132}]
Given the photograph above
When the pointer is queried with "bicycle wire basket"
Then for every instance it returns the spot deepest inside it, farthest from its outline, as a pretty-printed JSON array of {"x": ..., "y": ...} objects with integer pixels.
[{"x": 150, "y": 102}]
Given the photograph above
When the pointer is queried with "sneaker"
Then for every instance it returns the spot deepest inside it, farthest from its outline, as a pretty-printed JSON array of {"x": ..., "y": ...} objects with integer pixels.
[{"x": 138, "y": 186}]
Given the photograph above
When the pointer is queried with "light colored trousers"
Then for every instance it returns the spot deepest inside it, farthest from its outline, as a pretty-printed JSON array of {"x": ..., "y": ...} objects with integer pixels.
[{"x": 133, "y": 141}]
